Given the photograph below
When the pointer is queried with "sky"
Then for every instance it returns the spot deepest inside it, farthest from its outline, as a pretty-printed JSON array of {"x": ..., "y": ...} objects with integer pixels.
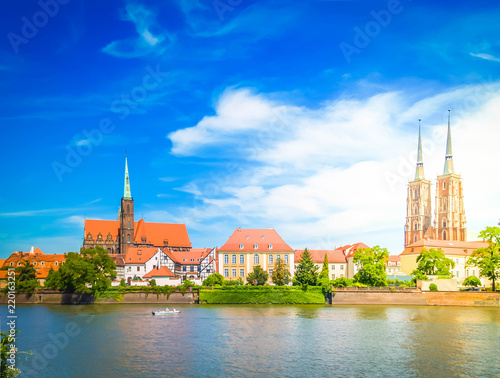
[{"x": 301, "y": 116}]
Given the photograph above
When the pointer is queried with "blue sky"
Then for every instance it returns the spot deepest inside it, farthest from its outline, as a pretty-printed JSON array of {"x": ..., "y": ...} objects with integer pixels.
[{"x": 301, "y": 116}]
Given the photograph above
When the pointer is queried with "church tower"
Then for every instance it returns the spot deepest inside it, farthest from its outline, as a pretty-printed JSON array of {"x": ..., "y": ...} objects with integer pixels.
[
  {"x": 449, "y": 212},
  {"x": 126, "y": 215},
  {"x": 418, "y": 204}
]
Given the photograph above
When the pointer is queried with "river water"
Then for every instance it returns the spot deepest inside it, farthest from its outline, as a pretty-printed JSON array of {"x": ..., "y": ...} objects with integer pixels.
[{"x": 259, "y": 340}]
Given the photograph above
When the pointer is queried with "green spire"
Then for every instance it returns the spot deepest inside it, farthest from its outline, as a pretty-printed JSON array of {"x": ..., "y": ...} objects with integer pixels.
[
  {"x": 126, "y": 191},
  {"x": 419, "y": 174},
  {"x": 448, "y": 163}
]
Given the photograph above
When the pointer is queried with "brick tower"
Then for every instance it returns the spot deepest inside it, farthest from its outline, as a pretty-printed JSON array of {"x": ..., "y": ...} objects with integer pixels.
[
  {"x": 126, "y": 215},
  {"x": 418, "y": 204},
  {"x": 450, "y": 223}
]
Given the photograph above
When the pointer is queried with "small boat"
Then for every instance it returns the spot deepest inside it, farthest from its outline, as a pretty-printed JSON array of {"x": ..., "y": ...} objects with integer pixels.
[{"x": 167, "y": 311}]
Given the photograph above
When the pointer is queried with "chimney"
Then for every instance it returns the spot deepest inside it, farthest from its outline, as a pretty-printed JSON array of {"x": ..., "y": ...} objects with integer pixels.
[{"x": 32, "y": 250}]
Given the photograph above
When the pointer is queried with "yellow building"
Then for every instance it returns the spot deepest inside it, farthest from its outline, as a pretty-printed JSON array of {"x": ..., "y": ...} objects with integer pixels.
[
  {"x": 458, "y": 251},
  {"x": 247, "y": 248}
]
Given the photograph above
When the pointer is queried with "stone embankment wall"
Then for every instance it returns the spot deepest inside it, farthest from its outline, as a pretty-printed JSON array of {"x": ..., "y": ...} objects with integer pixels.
[
  {"x": 382, "y": 296},
  {"x": 56, "y": 297}
]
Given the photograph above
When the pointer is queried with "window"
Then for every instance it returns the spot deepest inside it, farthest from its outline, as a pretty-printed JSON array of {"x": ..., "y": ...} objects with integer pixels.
[
  {"x": 128, "y": 208},
  {"x": 270, "y": 272},
  {"x": 192, "y": 259},
  {"x": 341, "y": 275},
  {"x": 255, "y": 246},
  {"x": 226, "y": 259},
  {"x": 233, "y": 272},
  {"x": 128, "y": 224},
  {"x": 415, "y": 239},
  {"x": 138, "y": 268},
  {"x": 233, "y": 259},
  {"x": 444, "y": 224},
  {"x": 444, "y": 235},
  {"x": 278, "y": 257},
  {"x": 242, "y": 272},
  {"x": 271, "y": 260},
  {"x": 255, "y": 259},
  {"x": 415, "y": 211},
  {"x": 286, "y": 259},
  {"x": 270, "y": 246},
  {"x": 226, "y": 272},
  {"x": 34, "y": 263},
  {"x": 184, "y": 268},
  {"x": 128, "y": 238},
  {"x": 416, "y": 226},
  {"x": 242, "y": 259},
  {"x": 56, "y": 263},
  {"x": 129, "y": 269},
  {"x": 333, "y": 267},
  {"x": 342, "y": 267},
  {"x": 416, "y": 193},
  {"x": 11, "y": 264},
  {"x": 333, "y": 276},
  {"x": 42, "y": 263},
  {"x": 241, "y": 246}
]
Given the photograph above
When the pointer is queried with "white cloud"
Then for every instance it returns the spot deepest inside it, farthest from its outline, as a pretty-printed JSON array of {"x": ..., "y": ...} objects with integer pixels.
[
  {"x": 338, "y": 173},
  {"x": 146, "y": 42},
  {"x": 486, "y": 57}
]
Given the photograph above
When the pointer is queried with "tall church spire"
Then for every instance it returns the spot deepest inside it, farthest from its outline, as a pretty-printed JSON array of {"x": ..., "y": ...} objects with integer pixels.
[
  {"x": 448, "y": 163},
  {"x": 419, "y": 174},
  {"x": 126, "y": 190}
]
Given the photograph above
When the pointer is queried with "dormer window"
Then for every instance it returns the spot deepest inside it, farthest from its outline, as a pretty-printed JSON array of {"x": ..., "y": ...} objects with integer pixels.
[
  {"x": 42, "y": 263},
  {"x": 241, "y": 246},
  {"x": 143, "y": 239},
  {"x": 34, "y": 263},
  {"x": 262, "y": 236},
  {"x": 248, "y": 236},
  {"x": 270, "y": 246},
  {"x": 165, "y": 243},
  {"x": 255, "y": 246},
  {"x": 56, "y": 263},
  {"x": 89, "y": 236}
]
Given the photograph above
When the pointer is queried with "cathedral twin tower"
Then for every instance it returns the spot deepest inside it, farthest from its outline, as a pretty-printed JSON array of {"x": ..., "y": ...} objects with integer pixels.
[{"x": 449, "y": 217}]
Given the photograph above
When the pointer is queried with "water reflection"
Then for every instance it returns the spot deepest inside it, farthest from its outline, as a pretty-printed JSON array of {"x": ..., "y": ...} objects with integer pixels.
[{"x": 127, "y": 341}]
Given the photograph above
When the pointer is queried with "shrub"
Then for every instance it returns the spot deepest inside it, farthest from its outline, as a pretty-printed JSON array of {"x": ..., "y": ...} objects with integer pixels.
[
  {"x": 122, "y": 283},
  {"x": 342, "y": 282},
  {"x": 152, "y": 282},
  {"x": 433, "y": 287},
  {"x": 238, "y": 282},
  {"x": 213, "y": 279},
  {"x": 472, "y": 281}
]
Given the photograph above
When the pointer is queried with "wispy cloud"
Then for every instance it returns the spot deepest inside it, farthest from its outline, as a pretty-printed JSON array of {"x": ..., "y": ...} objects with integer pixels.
[
  {"x": 147, "y": 42},
  {"x": 486, "y": 57},
  {"x": 42, "y": 212}
]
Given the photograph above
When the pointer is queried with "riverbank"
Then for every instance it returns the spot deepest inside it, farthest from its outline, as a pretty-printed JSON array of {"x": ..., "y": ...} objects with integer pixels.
[{"x": 272, "y": 295}]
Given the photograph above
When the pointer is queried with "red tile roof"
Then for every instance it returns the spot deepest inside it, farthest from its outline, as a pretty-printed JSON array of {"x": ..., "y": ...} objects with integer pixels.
[
  {"x": 318, "y": 255},
  {"x": 249, "y": 237},
  {"x": 139, "y": 255},
  {"x": 184, "y": 258},
  {"x": 155, "y": 233},
  {"x": 350, "y": 249},
  {"x": 162, "y": 271},
  {"x": 37, "y": 257},
  {"x": 394, "y": 258},
  {"x": 449, "y": 247}
]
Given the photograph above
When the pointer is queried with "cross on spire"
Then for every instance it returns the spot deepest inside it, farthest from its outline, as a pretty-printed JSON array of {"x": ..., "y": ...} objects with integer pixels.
[{"x": 448, "y": 162}]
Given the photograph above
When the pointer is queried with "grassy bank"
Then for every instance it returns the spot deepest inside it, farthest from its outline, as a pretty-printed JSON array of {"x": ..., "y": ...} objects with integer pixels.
[{"x": 262, "y": 295}]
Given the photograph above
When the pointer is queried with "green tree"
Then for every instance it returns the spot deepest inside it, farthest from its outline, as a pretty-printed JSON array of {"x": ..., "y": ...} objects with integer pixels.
[
  {"x": 122, "y": 283},
  {"x": 26, "y": 281},
  {"x": 472, "y": 281},
  {"x": 306, "y": 273},
  {"x": 258, "y": 277},
  {"x": 281, "y": 273},
  {"x": 433, "y": 287},
  {"x": 325, "y": 271},
  {"x": 213, "y": 279},
  {"x": 371, "y": 263},
  {"x": 433, "y": 262},
  {"x": 152, "y": 282},
  {"x": 488, "y": 259},
  {"x": 342, "y": 282},
  {"x": 90, "y": 271}
]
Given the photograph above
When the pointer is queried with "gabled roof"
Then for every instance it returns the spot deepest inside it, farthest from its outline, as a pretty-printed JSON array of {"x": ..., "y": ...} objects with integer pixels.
[
  {"x": 394, "y": 258},
  {"x": 350, "y": 249},
  {"x": 449, "y": 247},
  {"x": 139, "y": 255},
  {"x": 318, "y": 255},
  {"x": 267, "y": 240},
  {"x": 161, "y": 271},
  {"x": 184, "y": 258},
  {"x": 155, "y": 233}
]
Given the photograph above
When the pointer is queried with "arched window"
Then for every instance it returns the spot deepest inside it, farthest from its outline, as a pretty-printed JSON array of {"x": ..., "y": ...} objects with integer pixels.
[
  {"x": 255, "y": 246},
  {"x": 226, "y": 259},
  {"x": 242, "y": 259},
  {"x": 128, "y": 209},
  {"x": 233, "y": 259},
  {"x": 241, "y": 246},
  {"x": 255, "y": 259},
  {"x": 128, "y": 238},
  {"x": 270, "y": 246},
  {"x": 444, "y": 235},
  {"x": 286, "y": 259},
  {"x": 271, "y": 260},
  {"x": 415, "y": 194},
  {"x": 415, "y": 239},
  {"x": 416, "y": 226},
  {"x": 278, "y": 257},
  {"x": 415, "y": 211},
  {"x": 444, "y": 185},
  {"x": 444, "y": 223}
]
